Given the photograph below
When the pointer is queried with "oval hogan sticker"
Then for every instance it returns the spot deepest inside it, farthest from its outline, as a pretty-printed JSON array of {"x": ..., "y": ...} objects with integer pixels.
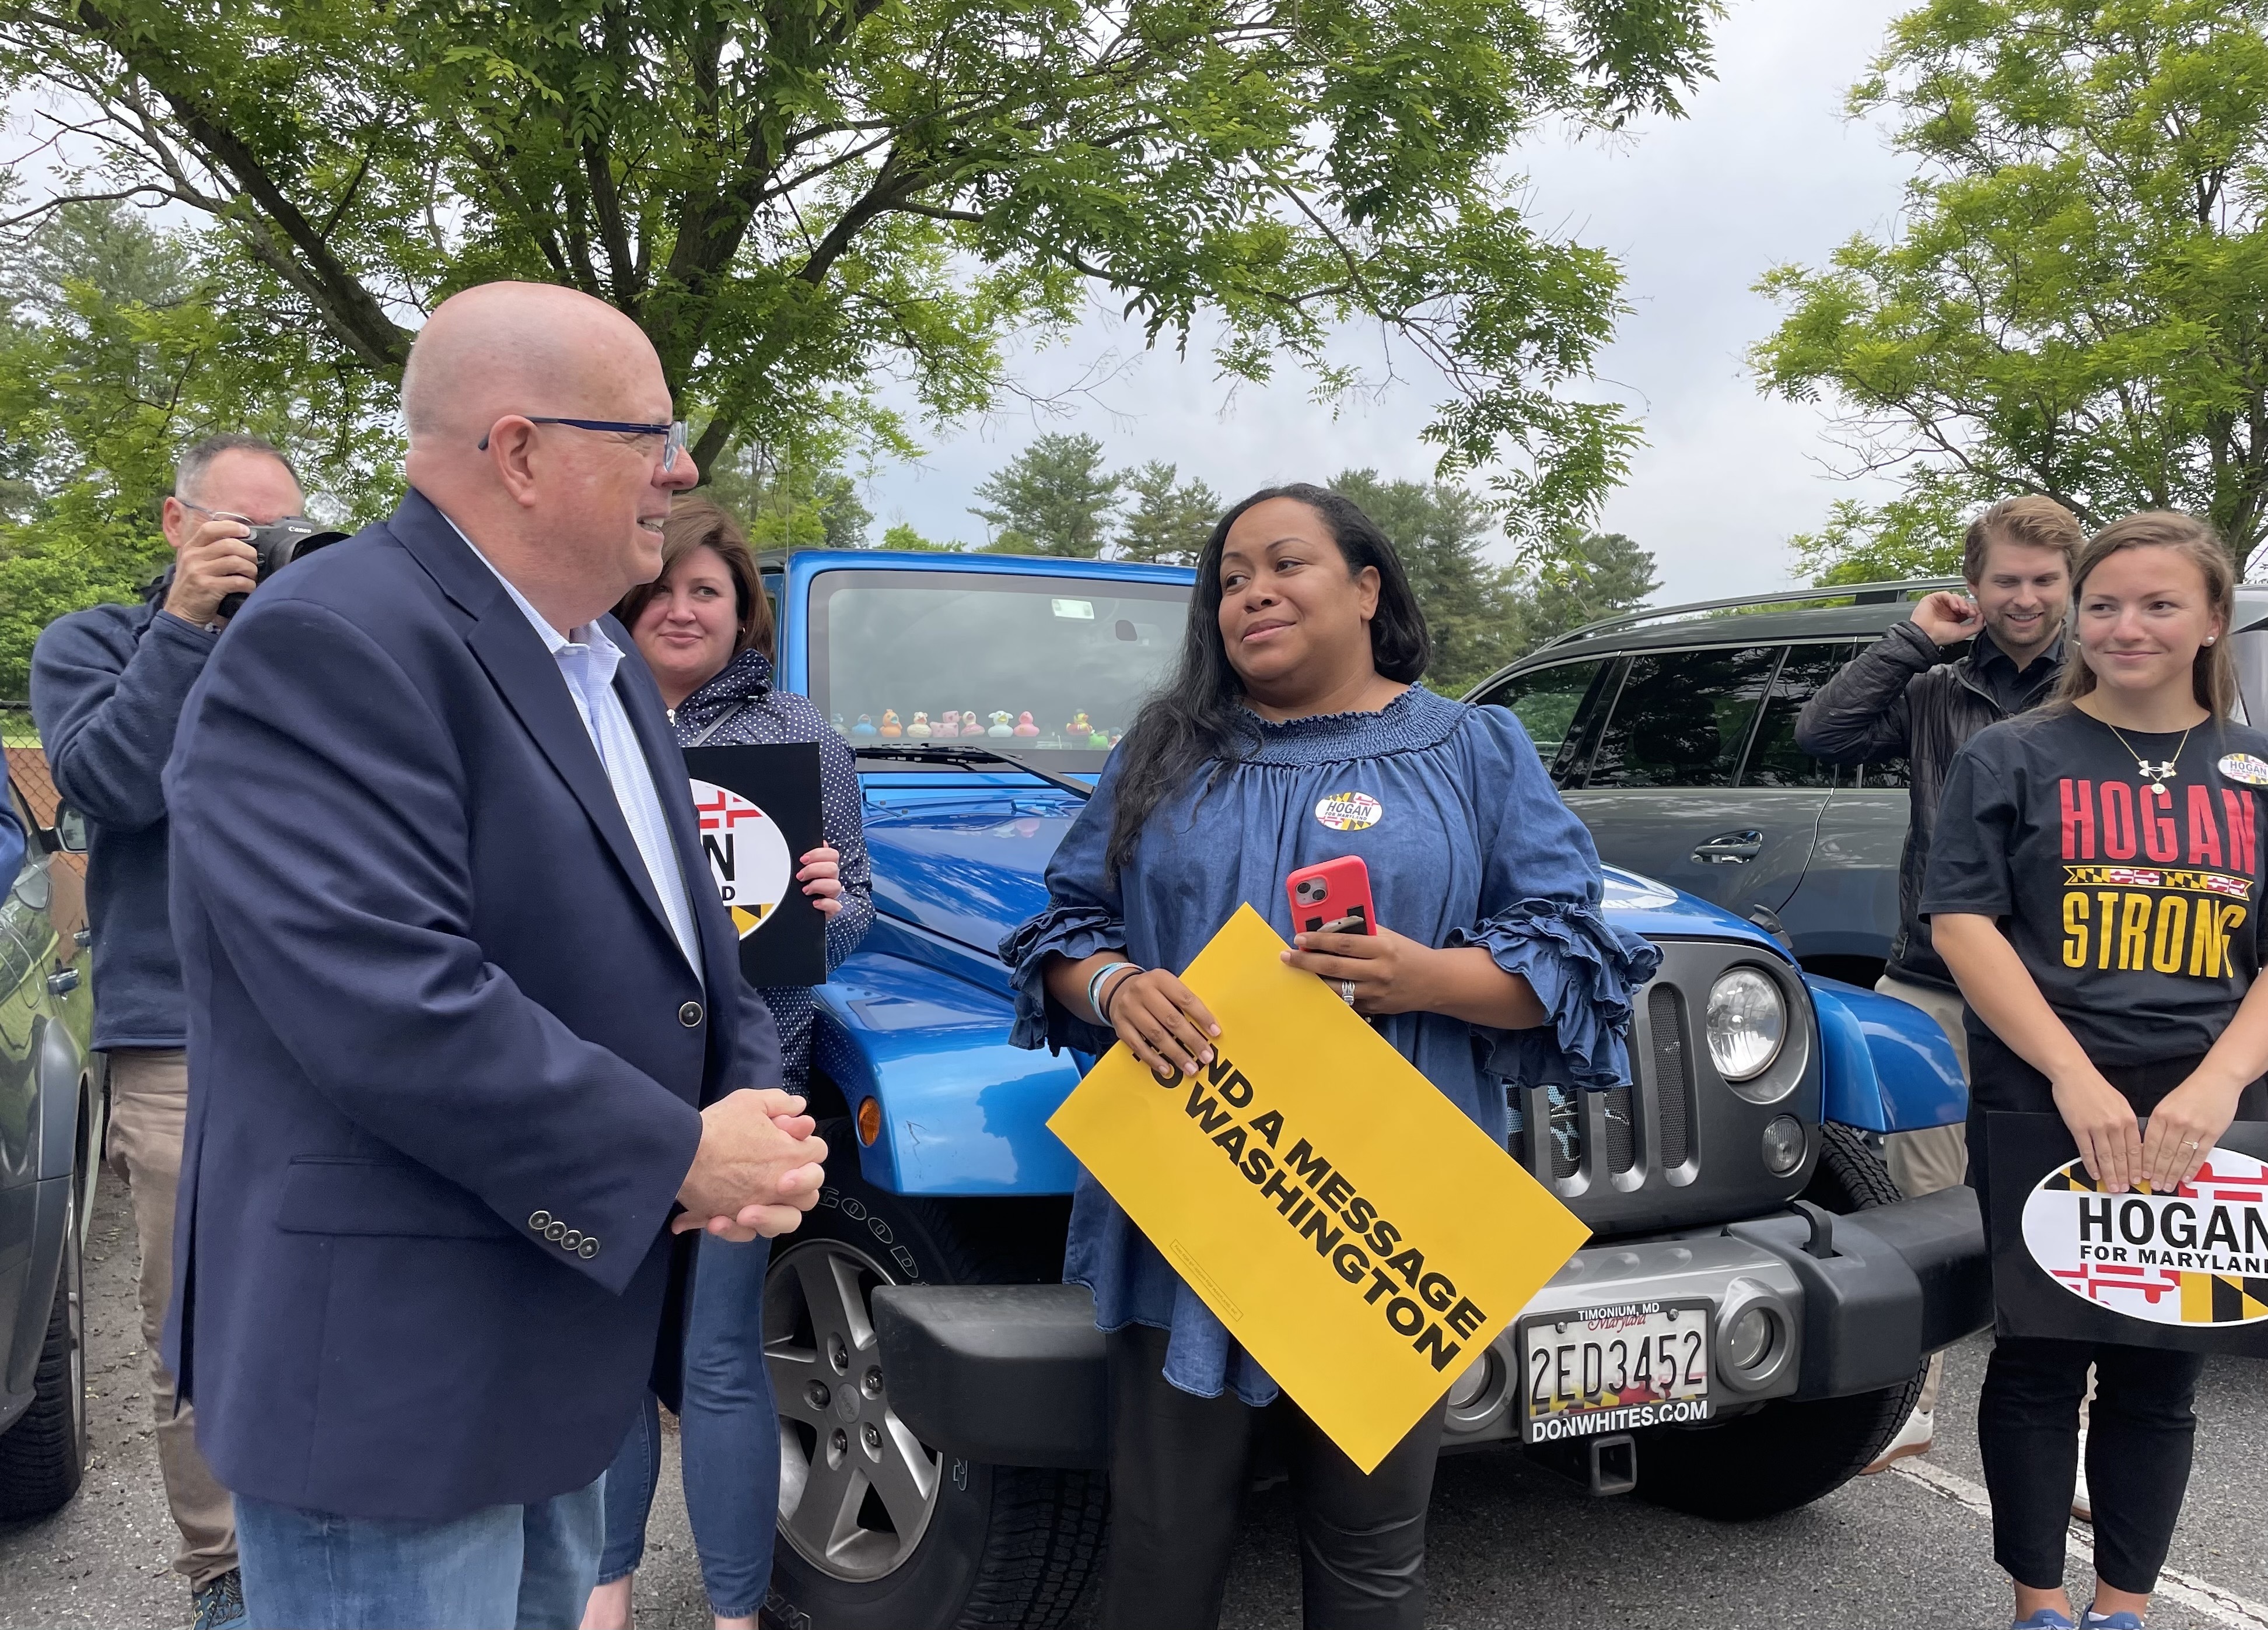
[
  {"x": 2198, "y": 1256},
  {"x": 747, "y": 854},
  {"x": 2244, "y": 767},
  {"x": 1349, "y": 811}
]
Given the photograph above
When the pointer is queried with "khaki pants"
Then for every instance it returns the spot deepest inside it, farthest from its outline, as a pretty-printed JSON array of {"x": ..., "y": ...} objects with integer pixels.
[
  {"x": 1922, "y": 1162},
  {"x": 149, "y": 1106}
]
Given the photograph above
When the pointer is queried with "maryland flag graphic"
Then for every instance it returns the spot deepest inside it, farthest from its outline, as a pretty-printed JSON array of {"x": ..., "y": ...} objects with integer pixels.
[
  {"x": 747, "y": 854},
  {"x": 2196, "y": 1256}
]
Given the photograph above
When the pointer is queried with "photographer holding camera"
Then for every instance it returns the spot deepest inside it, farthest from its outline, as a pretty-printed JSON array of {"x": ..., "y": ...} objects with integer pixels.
[{"x": 107, "y": 686}]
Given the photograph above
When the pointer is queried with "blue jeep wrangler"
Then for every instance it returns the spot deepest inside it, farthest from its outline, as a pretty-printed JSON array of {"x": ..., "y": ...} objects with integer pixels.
[{"x": 940, "y": 1392}]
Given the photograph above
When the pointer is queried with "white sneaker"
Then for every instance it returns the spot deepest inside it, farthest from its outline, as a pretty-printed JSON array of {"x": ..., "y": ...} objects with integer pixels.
[
  {"x": 1913, "y": 1438},
  {"x": 2083, "y": 1506}
]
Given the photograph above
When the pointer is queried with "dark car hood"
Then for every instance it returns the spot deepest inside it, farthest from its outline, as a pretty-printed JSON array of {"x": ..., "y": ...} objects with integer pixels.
[{"x": 974, "y": 873}]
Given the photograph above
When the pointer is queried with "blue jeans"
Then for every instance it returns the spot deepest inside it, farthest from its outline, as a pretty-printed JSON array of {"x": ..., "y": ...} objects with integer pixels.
[
  {"x": 729, "y": 1440},
  {"x": 505, "y": 1568}
]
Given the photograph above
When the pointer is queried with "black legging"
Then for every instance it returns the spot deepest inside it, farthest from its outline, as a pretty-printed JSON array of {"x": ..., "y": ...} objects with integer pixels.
[
  {"x": 2142, "y": 1424},
  {"x": 1179, "y": 1467}
]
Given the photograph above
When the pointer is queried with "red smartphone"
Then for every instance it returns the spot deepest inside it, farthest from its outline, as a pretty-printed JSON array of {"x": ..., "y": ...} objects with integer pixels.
[{"x": 1333, "y": 898}]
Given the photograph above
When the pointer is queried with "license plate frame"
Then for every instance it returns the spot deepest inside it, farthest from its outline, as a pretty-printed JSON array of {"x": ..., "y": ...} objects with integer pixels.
[{"x": 1603, "y": 1329}]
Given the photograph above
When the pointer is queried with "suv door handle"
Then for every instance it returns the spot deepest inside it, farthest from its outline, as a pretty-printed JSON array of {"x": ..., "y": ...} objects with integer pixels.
[
  {"x": 1730, "y": 848},
  {"x": 63, "y": 981}
]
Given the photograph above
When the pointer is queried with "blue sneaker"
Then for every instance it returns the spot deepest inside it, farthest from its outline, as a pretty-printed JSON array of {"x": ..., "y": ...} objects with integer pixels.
[
  {"x": 2093, "y": 1620},
  {"x": 219, "y": 1604},
  {"x": 2046, "y": 1618}
]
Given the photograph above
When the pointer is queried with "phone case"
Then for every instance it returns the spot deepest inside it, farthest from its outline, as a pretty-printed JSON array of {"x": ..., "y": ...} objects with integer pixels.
[{"x": 1330, "y": 892}]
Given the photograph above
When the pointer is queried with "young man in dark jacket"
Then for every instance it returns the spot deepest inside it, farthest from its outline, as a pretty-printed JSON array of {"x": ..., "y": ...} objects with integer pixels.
[
  {"x": 107, "y": 686},
  {"x": 1898, "y": 699}
]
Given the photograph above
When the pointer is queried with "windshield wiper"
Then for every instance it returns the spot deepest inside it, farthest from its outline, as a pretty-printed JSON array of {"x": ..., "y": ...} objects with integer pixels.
[{"x": 968, "y": 759}]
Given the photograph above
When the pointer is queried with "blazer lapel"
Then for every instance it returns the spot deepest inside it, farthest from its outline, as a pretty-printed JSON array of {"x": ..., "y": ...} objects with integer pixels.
[{"x": 527, "y": 676}]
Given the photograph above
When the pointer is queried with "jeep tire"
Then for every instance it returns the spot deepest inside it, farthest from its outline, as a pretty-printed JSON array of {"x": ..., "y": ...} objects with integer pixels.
[
  {"x": 1788, "y": 1454},
  {"x": 914, "y": 1540},
  {"x": 43, "y": 1454}
]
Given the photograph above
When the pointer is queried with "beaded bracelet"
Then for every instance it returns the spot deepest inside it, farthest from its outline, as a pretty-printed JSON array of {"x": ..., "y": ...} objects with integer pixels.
[{"x": 1094, "y": 984}]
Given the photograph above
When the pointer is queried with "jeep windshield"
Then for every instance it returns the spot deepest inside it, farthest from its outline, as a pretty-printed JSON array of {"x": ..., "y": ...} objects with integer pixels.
[{"x": 1046, "y": 668}]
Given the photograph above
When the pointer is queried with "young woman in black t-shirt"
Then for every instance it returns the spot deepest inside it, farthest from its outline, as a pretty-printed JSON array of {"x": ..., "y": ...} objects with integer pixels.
[{"x": 2096, "y": 888}]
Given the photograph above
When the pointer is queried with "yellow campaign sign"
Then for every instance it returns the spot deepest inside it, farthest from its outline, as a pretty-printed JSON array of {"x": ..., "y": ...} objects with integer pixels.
[{"x": 1357, "y": 1234}]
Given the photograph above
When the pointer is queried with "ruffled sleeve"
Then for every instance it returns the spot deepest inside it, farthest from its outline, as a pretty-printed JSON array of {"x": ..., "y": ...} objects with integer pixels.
[
  {"x": 1084, "y": 914},
  {"x": 1540, "y": 919}
]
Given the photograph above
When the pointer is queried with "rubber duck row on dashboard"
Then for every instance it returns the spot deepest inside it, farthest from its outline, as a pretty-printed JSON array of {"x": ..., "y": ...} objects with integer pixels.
[{"x": 950, "y": 724}]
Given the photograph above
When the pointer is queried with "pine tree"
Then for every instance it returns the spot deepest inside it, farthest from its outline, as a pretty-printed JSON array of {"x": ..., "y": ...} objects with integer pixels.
[
  {"x": 1170, "y": 520},
  {"x": 1052, "y": 498}
]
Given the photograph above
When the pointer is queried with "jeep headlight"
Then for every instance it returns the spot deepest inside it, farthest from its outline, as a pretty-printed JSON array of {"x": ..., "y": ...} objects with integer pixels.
[{"x": 1746, "y": 1023}]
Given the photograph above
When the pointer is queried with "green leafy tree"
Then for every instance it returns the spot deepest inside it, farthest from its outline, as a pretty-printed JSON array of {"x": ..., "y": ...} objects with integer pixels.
[
  {"x": 2077, "y": 302},
  {"x": 902, "y": 536},
  {"x": 1169, "y": 518},
  {"x": 791, "y": 499},
  {"x": 1053, "y": 498},
  {"x": 801, "y": 200},
  {"x": 116, "y": 351}
]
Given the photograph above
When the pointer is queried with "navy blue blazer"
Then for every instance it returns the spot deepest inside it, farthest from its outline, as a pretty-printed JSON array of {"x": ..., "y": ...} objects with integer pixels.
[{"x": 445, "y": 1054}]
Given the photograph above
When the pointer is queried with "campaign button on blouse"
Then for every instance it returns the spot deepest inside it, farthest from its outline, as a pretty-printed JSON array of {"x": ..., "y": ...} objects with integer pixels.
[
  {"x": 689, "y": 1015},
  {"x": 2244, "y": 766},
  {"x": 1349, "y": 811}
]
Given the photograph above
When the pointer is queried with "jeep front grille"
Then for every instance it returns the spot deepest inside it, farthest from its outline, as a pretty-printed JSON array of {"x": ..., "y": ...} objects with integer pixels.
[
  {"x": 1678, "y": 1146},
  {"x": 1622, "y": 1141},
  {"x": 1672, "y": 1077}
]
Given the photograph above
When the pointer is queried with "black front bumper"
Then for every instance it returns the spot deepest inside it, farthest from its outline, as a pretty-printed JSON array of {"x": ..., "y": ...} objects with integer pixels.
[{"x": 1014, "y": 1374}]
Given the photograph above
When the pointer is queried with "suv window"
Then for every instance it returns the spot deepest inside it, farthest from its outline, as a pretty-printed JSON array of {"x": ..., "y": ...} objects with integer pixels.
[
  {"x": 1774, "y": 760},
  {"x": 1683, "y": 718},
  {"x": 1550, "y": 701}
]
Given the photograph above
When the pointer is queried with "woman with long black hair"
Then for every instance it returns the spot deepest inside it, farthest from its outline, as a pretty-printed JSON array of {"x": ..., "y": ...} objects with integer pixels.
[
  {"x": 1291, "y": 732},
  {"x": 2104, "y": 1004}
]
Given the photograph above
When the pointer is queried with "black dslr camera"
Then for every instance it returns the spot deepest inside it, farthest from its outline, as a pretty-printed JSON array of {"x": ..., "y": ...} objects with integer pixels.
[{"x": 278, "y": 545}]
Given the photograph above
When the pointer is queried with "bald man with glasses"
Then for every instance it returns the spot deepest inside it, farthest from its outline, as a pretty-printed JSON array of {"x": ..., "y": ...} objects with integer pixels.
[{"x": 470, "y": 1050}]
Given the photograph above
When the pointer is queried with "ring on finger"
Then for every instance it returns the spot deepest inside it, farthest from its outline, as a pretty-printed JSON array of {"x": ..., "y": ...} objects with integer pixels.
[{"x": 1346, "y": 991}]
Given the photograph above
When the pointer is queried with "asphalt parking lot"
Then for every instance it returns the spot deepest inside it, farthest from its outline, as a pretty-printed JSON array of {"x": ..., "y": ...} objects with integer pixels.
[{"x": 1512, "y": 1546}]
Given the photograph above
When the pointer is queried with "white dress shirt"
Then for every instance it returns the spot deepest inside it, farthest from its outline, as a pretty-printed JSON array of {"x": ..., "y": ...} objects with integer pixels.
[{"x": 587, "y": 660}]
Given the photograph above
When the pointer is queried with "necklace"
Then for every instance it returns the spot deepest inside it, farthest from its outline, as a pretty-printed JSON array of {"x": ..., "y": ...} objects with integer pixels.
[{"x": 2157, "y": 775}]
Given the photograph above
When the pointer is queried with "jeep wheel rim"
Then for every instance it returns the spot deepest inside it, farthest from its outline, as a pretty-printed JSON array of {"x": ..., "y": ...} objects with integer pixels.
[{"x": 856, "y": 1487}]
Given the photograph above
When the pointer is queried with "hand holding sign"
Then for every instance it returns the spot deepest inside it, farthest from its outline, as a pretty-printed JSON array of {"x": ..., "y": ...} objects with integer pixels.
[
  {"x": 2185, "y": 1268},
  {"x": 1364, "y": 1280},
  {"x": 2186, "y": 1124}
]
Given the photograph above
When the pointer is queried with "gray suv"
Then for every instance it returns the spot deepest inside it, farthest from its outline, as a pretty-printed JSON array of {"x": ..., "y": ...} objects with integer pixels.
[{"x": 1672, "y": 734}]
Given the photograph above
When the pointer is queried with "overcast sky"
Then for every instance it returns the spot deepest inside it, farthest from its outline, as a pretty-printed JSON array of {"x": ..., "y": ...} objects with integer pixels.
[{"x": 1765, "y": 169}]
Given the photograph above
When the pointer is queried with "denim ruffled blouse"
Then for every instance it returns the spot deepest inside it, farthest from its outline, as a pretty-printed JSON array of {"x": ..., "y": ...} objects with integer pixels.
[{"x": 1468, "y": 844}]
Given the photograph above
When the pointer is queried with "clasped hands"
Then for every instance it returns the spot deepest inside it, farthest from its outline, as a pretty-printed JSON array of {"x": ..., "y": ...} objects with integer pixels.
[
  {"x": 2183, "y": 1127},
  {"x": 758, "y": 1170}
]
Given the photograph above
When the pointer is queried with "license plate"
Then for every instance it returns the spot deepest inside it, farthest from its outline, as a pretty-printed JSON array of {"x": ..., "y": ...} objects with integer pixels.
[{"x": 1614, "y": 1368}]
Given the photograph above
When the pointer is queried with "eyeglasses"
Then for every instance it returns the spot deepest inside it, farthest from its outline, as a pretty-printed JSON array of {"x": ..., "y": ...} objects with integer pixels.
[{"x": 674, "y": 431}]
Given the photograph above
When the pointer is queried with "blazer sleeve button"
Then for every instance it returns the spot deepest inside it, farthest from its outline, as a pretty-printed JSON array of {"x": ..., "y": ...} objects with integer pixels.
[
  {"x": 571, "y": 1238},
  {"x": 556, "y": 1231},
  {"x": 588, "y": 1249},
  {"x": 689, "y": 1015},
  {"x": 539, "y": 1220}
]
